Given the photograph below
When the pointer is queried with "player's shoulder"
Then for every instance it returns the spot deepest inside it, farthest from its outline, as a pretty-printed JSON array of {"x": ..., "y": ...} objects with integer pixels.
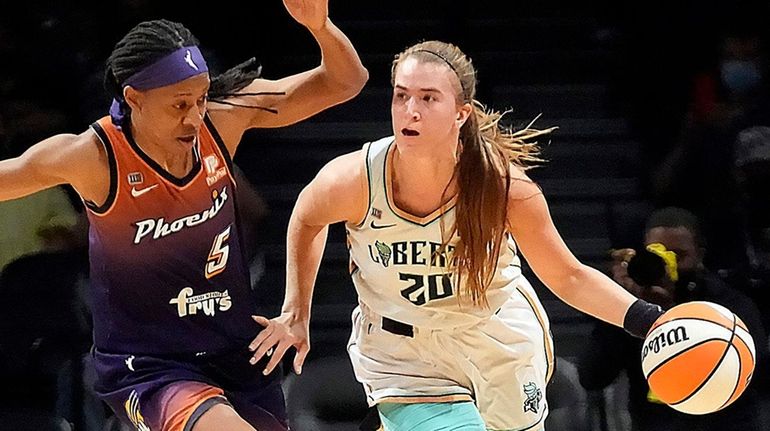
[
  {"x": 344, "y": 167},
  {"x": 81, "y": 157},
  {"x": 87, "y": 147},
  {"x": 518, "y": 173},
  {"x": 76, "y": 159},
  {"x": 344, "y": 175},
  {"x": 68, "y": 147},
  {"x": 348, "y": 172},
  {"x": 522, "y": 186},
  {"x": 383, "y": 141},
  {"x": 378, "y": 146},
  {"x": 356, "y": 161}
]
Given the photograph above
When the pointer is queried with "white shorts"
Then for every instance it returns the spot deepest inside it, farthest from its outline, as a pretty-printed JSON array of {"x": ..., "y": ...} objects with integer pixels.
[{"x": 502, "y": 363}]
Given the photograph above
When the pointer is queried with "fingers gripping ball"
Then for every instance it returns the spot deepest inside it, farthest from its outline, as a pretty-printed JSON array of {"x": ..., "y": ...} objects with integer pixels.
[{"x": 698, "y": 357}]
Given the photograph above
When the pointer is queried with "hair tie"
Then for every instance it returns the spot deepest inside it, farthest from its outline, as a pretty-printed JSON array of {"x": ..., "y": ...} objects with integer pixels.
[{"x": 439, "y": 56}]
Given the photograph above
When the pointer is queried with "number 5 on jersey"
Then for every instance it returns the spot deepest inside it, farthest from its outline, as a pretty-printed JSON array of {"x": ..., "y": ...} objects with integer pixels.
[{"x": 217, "y": 260}]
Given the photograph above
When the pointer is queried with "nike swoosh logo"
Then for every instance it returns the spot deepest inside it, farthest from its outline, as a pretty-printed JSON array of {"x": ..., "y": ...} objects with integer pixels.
[
  {"x": 383, "y": 226},
  {"x": 136, "y": 193}
]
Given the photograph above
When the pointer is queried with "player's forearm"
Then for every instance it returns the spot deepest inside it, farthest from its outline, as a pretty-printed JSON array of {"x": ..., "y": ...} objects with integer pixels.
[
  {"x": 592, "y": 292},
  {"x": 304, "y": 249},
  {"x": 340, "y": 64}
]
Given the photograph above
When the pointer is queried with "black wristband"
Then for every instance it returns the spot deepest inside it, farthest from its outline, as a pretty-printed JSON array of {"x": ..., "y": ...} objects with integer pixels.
[{"x": 640, "y": 317}]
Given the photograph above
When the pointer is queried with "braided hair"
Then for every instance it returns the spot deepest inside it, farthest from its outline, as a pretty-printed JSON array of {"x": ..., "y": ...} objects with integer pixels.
[{"x": 150, "y": 41}]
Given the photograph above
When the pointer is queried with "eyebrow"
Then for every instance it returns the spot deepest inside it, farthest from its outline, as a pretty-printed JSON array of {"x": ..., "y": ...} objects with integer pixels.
[
  {"x": 429, "y": 89},
  {"x": 190, "y": 93}
]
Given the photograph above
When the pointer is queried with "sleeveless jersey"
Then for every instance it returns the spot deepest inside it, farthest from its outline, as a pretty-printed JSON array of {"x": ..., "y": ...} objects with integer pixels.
[
  {"x": 394, "y": 261},
  {"x": 168, "y": 275}
]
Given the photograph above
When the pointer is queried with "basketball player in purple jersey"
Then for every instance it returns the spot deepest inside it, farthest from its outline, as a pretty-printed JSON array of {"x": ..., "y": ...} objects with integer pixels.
[{"x": 171, "y": 304}]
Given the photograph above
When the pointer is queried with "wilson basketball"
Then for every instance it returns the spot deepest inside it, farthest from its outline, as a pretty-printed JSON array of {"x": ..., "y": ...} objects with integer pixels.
[{"x": 698, "y": 357}]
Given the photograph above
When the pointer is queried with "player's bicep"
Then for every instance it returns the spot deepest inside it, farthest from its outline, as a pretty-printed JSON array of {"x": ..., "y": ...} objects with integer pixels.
[
  {"x": 294, "y": 98},
  {"x": 533, "y": 229},
  {"x": 40, "y": 167},
  {"x": 261, "y": 104},
  {"x": 274, "y": 103},
  {"x": 336, "y": 194}
]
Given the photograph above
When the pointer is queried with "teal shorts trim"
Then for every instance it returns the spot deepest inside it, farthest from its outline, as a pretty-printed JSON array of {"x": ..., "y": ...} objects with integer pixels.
[{"x": 459, "y": 416}]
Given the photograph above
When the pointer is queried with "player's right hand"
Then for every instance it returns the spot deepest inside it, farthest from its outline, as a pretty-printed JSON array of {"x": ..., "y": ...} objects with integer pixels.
[
  {"x": 310, "y": 13},
  {"x": 279, "y": 334}
]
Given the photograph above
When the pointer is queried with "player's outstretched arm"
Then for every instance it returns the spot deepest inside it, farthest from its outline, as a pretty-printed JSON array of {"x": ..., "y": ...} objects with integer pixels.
[
  {"x": 579, "y": 285},
  {"x": 339, "y": 193},
  {"x": 61, "y": 159},
  {"x": 339, "y": 77}
]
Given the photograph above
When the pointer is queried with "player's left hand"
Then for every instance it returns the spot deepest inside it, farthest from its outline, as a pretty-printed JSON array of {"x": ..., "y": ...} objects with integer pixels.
[
  {"x": 279, "y": 334},
  {"x": 310, "y": 13}
]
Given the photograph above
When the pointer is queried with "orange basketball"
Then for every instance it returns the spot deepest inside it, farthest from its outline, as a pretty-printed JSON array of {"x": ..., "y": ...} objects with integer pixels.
[{"x": 698, "y": 357}]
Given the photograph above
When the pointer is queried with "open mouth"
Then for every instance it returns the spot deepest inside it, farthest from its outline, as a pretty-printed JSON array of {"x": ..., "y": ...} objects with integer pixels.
[
  {"x": 189, "y": 140},
  {"x": 409, "y": 132}
]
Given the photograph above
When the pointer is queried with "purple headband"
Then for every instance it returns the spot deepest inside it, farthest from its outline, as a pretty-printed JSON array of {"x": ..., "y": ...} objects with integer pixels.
[{"x": 175, "y": 67}]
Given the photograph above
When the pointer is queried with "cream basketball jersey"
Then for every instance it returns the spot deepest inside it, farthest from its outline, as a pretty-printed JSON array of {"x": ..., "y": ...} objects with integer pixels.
[{"x": 395, "y": 261}]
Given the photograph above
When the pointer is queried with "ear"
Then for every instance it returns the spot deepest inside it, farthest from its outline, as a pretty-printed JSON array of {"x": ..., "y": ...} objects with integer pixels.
[
  {"x": 133, "y": 98},
  {"x": 463, "y": 113}
]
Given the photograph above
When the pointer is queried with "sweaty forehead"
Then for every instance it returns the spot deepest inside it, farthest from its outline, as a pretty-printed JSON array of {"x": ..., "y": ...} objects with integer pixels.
[{"x": 415, "y": 74}]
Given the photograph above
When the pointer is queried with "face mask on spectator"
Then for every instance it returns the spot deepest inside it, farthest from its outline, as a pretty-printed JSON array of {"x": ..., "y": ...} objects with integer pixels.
[{"x": 740, "y": 76}]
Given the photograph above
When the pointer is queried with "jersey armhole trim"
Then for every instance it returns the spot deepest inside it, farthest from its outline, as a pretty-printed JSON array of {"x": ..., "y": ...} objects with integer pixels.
[
  {"x": 219, "y": 141},
  {"x": 367, "y": 147},
  {"x": 113, "y": 164}
]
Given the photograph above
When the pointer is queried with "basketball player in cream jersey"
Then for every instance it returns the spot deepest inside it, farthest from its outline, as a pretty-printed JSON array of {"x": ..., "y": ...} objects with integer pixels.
[
  {"x": 171, "y": 300},
  {"x": 448, "y": 334},
  {"x": 406, "y": 289}
]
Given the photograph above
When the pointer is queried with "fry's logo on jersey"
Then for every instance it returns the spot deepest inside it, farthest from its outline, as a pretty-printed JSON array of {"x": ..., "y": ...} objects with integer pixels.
[
  {"x": 207, "y": 302},
  {"x": 160, "y": 227}
]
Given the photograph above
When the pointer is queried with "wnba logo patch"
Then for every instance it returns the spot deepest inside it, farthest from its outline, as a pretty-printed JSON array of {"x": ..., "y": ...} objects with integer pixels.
[
  {"x": 133, "y": 413},
  {"x": 135, "y": 178}
]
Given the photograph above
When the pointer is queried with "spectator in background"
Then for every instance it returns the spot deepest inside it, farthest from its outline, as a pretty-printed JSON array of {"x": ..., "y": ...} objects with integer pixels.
[
  {"x": 752, "y": 169},
  {"x": 611, "y": 351},
  {"x": 697, "y": 173},
  {"x": 43, "y": 265},
  {"x": 45, "y": 221}
]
